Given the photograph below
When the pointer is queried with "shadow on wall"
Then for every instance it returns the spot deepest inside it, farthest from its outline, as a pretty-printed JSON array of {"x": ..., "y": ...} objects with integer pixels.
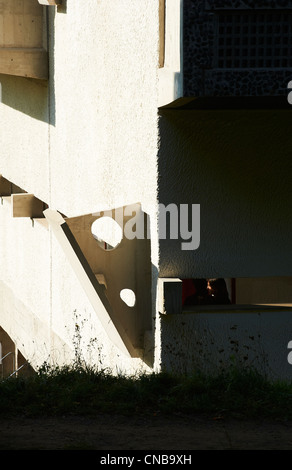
[
  {"x": 26, "y": 95},
  {"x": 236, "y": 164}
]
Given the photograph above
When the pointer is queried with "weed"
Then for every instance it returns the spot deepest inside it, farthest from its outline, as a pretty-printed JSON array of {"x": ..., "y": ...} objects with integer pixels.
[{"x": 79, "y": 390}]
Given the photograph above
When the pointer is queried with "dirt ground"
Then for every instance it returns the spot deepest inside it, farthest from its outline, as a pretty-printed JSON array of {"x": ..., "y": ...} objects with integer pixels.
[{"x": 107, "y": 432}]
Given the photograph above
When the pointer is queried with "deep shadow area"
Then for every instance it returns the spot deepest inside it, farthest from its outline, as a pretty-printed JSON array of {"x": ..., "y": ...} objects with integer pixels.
[{"x": 236, "y": 164}]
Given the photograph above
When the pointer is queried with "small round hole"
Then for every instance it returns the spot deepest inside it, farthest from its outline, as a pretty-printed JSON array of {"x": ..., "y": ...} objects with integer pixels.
[
  {"x": 107, "y": 232},
  {"x": 128, "y": 296}
]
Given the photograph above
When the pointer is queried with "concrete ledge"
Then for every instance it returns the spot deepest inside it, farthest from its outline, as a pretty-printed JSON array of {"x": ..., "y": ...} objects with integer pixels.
[
  {"x": 27, "y": 205},
  {"x": 24, "y": 62}
]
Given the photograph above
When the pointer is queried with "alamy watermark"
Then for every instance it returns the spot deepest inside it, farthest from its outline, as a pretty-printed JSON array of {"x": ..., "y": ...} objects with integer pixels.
[
  {"x": 289, "y": 358},
  {"x": 182, "y": 222},
  {"x": 175, "y": 222},
  {"x": 289, "y": 97}
]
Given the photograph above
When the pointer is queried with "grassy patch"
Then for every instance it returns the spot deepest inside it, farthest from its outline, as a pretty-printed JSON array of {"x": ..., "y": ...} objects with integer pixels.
[{"x": 83, "y": 391}]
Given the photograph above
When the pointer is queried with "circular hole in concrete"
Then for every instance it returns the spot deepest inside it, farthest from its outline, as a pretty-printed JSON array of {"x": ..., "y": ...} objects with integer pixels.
[
  {"x": 128, "y": 296},
  {"x": 107, "y": 232}
]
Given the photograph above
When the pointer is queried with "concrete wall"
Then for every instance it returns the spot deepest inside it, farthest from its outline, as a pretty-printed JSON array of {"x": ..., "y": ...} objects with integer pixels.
[
  {"x": 103, "y": 105},
  {"x": 83, "y": 141},
  {"x": 24, "y": 134},
  {"x": 212, "y": 341}
]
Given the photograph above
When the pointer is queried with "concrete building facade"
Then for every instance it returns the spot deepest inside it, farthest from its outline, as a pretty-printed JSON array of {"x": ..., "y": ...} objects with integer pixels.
[{"x": 104, "y": 109}]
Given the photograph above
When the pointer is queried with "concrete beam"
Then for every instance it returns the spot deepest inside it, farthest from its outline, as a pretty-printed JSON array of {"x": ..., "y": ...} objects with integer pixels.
[
  {"x": 24, "y": 62},
  {"x": 50, "y": 2},
  {"x": 27, "y": 205}
]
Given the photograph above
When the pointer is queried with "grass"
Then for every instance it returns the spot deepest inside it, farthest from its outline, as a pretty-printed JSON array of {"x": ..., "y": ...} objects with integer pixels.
[{"x": 82, "y": 391}]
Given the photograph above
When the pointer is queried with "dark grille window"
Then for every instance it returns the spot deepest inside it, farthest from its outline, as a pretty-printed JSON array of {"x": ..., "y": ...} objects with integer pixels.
[{"x": 254, "y": 40}]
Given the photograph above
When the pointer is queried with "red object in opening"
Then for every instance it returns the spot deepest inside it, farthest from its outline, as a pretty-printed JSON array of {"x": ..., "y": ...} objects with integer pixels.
[{"x": 188, "y": 289}]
